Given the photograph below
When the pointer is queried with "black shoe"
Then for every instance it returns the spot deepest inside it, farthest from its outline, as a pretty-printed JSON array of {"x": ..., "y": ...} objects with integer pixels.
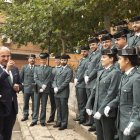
[
  {"x": 43, "y": 124},
  {"x": 33, "y": 123},
  {"x": 76, "y": 119},
  {"x": 87, "y": 124},
  {"x": 49, "y": 121},
  {"x": 62, "y": 128},
  {"x": 95, "y": 133},
  {"x": 57, "y": 125},
  {"x": 92, "y": 129},
  {"x": 24, "y": 119},
  {"x": 81, "y": 122}
]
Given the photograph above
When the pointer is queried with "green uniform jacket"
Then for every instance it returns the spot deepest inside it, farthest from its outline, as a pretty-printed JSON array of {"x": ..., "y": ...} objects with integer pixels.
[
  {"x": 80, "y": 72},
  {"x": 61, "y": 81},
  {"x": 133, "y": 41},
  {"x": 107, "y": 85},
  {"x": 128, "y": 99},
  {"x": 43, "y": 77},
  {"x": 92, "y": 68},
  {"x": 27, "y": 79}
]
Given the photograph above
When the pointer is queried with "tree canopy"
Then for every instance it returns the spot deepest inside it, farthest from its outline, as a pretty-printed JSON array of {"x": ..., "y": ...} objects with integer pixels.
[{"x": 62, "y": 24}]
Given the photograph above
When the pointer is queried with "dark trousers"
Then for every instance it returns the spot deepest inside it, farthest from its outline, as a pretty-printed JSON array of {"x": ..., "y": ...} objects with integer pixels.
[
  {"x": 26, "y": 98},
  {"x": 7, "y": 124},
  {"x": 53, "y": 106},
  {"x": 62, "y": 111},
  {"x": 81, "y": 101},
  {"x": 105, "y": 128}
]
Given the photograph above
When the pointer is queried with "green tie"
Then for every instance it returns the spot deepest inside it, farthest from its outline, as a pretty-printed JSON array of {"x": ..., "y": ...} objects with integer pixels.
[{"x": 9, "y": 79}]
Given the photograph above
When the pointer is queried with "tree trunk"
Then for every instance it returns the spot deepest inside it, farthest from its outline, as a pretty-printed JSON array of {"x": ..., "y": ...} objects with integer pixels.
[
  {"x": 107, "y": 22},
  {"x": 63, "y": 45}
]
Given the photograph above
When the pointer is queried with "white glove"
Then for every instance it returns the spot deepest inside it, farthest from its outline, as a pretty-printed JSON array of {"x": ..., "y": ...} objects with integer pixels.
[
  {"x": 126, "y": 131},
  {"x": 89, "y": 112},
  {"x": 55, "y": 90},
  {"x": 106, "y": 111},
  {"x": 97, "y": 116},
  {"x": 86, "y": 79},
  {"x": 75, "y": 81},
  {"x": 43, "y": 86},
  {"x": 41, "y": 90},
  {"x": 0, "y": 96}
]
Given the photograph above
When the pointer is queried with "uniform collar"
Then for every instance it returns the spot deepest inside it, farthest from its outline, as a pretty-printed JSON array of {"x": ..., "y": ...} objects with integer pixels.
[
  {"x": 137, "y": 34},
  {"x": 64, "y": 67},
  {"x": 129, "y": 71},
  {"x": 58, "y": 66},
  {"x": 31, "y": 65},
  {"x": 125, "y": 46},
  {"x": 108, "y": 67}
]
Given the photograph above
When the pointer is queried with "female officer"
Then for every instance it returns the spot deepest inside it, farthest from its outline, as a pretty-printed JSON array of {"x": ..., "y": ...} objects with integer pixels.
[
  {"x": 106, "y": 90},
  {"x": 128, "y": 99}
]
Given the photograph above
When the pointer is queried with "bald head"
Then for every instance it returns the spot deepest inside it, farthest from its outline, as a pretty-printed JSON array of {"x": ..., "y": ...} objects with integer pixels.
[
  {"x": 5, "y": 55},
  {"x": 3, "y": 48}
]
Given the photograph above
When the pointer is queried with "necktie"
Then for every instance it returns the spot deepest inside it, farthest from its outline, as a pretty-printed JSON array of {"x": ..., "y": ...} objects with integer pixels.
[
  {"x": 31, "y": 67},
  {"x": 10, "y": 78},
  {"x": 124, "y": 78},
  {"x": 61, "y": 69}
]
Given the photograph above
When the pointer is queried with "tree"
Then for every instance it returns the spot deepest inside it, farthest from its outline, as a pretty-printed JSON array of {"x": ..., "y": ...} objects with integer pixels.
[{"x": 63, "y": 24}]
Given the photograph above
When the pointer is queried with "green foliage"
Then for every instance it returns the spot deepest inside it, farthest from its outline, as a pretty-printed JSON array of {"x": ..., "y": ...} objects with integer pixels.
[{"x": 62, "y": 24}]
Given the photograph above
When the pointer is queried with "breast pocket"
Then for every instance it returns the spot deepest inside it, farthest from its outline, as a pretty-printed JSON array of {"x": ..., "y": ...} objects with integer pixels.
[
  {"x": 127, "y": 94},
  {"x": 106, "y": 83}
]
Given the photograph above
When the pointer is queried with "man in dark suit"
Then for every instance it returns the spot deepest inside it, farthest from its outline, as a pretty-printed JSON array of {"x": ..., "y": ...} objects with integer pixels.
[
  {"x": 9, "y": 87},
  {"x": 27, "y": 79}
]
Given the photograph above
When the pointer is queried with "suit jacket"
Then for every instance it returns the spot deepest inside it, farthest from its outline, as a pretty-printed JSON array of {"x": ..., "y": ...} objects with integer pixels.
[
  {"x": 61, "y": 81},
  {"x": 107, "y": 85},
  {"x": 128, "y": 99},
  {"x": 9, "y": 96},
  {"x": 42, "y": 77},
  {"x": 27, "y": 79},
  {"x": 80, "y": 72},
  {"x": 92, "y": 68}
]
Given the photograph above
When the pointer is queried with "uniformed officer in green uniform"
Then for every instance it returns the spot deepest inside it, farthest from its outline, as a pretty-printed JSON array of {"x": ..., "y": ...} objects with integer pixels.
[
  {"x": 27, "y": 79},
  {"x": 121, "y": 39},
  {"x": 55, "y": 70},
  {"x": 91, "y": 71},
  {"x": 128, "y": 99},
  {"x": 134, "y": 39},
  {"x": 107, "y": 41},
  {"x": 62, "y": 90},
  {"x": 42, "y": 77},
  {"x": 80, "y": 83},
  {"x": 106, "y": 90}
]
